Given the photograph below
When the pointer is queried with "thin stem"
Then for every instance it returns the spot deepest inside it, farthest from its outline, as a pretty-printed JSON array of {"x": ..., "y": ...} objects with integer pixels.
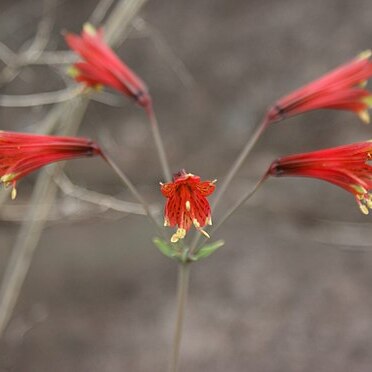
[
  {"x": 127, "y": 182},
  {"x": 228, "y": 214},
  {"x": 239, "y": 203},
  {"x": 232, "y": 172},
  {"x": 240, "y": 160},
  {"x": 182, "y": 289},
  {"x": 159, "y": 143}
]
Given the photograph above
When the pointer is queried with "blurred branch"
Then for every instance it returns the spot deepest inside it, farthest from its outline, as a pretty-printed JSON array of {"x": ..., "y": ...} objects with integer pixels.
[
  {"x": 45, "y": 189},
  {"x": 42, "y": 199},
  {"x": 38, "y": 99},
  {"x": 120, "y": 19},
  {"x": 102, "y": 200},
  {"x": 100, "y": 12},
  {"x": 163, "y": 48},
  {"x": 14, "y": 61},
  {"x": 58, "y": 57}
]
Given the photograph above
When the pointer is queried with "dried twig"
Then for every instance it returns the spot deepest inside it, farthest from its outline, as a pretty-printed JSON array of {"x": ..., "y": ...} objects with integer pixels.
[
  {"x": 14, "y": 61},
  {"x": 45, "y": 189},
  {"x": 38, "y": 99},
  {"x": 163, "y": 48},
  {"x": 102, "y": 200}
]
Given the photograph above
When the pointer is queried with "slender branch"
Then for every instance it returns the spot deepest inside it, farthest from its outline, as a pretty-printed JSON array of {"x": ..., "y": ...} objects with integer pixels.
[
  {"x": 30, "y": 232},
  {"x": 239, "y": 203},
  {"x": 102, "y": 200},
  {"x": 31, "y": 229},
  {"x": 227, "y": 215},
  {"x": 164, "y": 50},
  {"x": 233, "y": 171},
  {"x": 57, "y": 57},
  {"x": 240, "y": 160},
  {"x": 126, "y": 181},
  {"x": 38, "y": 99},
  {"x": 117, "y": 25},
  {"x": 159, "y": 143},
  {"x": 29, "y": 51},
  {"x": 100, "y": 12},
  {"x": 182, "y": 289},
  {"x": 22, "y": 253}
]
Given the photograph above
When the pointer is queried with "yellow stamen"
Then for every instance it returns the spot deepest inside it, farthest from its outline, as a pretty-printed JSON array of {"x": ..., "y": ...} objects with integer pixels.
[
  {"x": 179, "y": 234},
  {"x": 196, "y": 223},
  {"x": 363, "y": 208},
  {"x": 365, "y": 54},
  {"x": 166, "y": 222},
  {"x": 188, "y": 205},
  {"x": 361, "y": 191},
  {"x": 197, "y": 226},
  {"x": 89, "y": 29},
  {"x": 73, "y": 72},
  {"x": 204, "y": 233},
  {"x": 367, "y": 100},
  {"x": 362, "y": 84},
  {"x": 364, "y": 116},
  {"x": 6, "y": 178},
  {"x": 208, "y": 221},
  {"x": 13, "y": 193}
]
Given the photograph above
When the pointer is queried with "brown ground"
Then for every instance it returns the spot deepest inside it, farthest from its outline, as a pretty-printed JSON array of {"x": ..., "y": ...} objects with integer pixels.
[{"x": 292, "y": 289}]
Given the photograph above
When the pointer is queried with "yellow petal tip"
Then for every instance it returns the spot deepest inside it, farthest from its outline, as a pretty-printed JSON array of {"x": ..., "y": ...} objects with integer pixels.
[
  {"x": 364, "y": 116},
  {"x": 365, "y": 54},
  {"x": 89, "y": 29}
]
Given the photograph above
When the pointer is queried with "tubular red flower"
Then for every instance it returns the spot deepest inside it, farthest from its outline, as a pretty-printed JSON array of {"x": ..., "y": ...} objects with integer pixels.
[
  {"x": 102, "y": 67},
  {"x": 187, "y": 204},
  {"x": 345, "y": 166},
  {"x": 340, "y": 89},
  {"x": 21, "y": 153}
]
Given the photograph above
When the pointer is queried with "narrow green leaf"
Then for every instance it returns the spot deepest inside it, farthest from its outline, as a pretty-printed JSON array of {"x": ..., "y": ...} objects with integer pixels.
[
  {"x": 207, "y": 250},
  {"x": 165, "y": 248}
]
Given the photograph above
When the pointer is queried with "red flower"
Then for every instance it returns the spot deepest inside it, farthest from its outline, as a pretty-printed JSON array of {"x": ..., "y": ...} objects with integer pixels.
[
  {"x": 340, "y": 89},
  {"x": 345, "y": 166},
  {"x": 102, "y": 66},
  {"x": 187, "y": 203},
  {"x": 21, "y": 154}
]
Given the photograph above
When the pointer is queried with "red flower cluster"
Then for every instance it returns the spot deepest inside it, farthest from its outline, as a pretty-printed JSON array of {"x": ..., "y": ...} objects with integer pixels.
[
  {"x": 102, "y": 67},
  {"x": 345, "y": 166},
  {"x": 187, "y": 203},
  {"x": 340, "y": 89},
  {"x": 21, "y": 154}
]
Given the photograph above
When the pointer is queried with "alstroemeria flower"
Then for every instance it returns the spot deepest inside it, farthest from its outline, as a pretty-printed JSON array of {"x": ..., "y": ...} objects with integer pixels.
[
  {"x": 340, "y": 89},
  {"x": 102, "y": 67},
  {"x": 21, "y": 153},
  {"x": 345, "y": 166},
  {"x": 187, "y": 204}
]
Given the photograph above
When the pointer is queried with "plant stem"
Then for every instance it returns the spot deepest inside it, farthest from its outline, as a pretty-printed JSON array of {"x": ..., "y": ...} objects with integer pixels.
[
  {"x": 159, "y": 143},
  {"x": 231, "y": 174},
  {"x": 182, "y": 289},
  {"x": 240, "y": 160},
  {"x": 239, "y": 203},
  {"x": 127, "y": 182},
  {"x": 227, "y": 215}
]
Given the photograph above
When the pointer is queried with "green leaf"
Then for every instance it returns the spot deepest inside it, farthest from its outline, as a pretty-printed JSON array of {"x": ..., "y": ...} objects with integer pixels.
[
  {"x": 207, "y": 250},
  {"x": 165, "y": 248}
]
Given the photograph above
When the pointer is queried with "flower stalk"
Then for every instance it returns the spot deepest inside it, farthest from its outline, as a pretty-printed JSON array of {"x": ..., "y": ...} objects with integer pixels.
[
  {"x": 182, "y": 291},
  {"x": 128, "y": 183},
  {"x": 240, "y": 160},
  {"x": 158, "y": 142}
]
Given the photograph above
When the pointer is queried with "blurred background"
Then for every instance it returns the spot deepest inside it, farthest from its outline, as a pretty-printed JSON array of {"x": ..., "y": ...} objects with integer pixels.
[{"x": 292, "y": 288}]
